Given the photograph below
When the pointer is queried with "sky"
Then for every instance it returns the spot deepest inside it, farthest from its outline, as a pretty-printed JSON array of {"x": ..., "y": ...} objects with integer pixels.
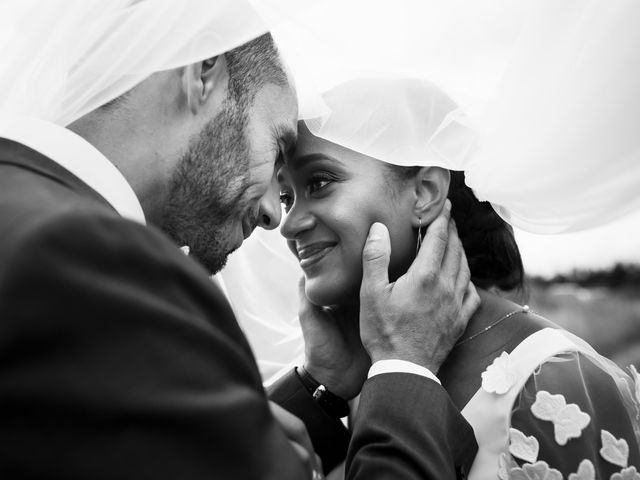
[{"x": 597, "y": 248}]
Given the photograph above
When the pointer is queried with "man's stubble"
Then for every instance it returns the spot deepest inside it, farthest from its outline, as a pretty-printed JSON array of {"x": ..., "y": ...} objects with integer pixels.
[{"x": 205, "y": 190}]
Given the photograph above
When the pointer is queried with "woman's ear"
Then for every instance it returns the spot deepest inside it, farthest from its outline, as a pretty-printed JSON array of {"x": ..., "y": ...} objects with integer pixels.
[
  {"x": 432, "y": 188},
  {"x": 205, "y": 82}
]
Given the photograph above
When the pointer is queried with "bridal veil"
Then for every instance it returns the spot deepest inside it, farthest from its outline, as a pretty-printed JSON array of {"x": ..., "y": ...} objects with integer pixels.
[{"x": 539, "y": 104}]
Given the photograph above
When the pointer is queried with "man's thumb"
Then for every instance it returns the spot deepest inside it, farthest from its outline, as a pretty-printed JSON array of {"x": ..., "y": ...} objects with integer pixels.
[{"x": 375, "y": 260}]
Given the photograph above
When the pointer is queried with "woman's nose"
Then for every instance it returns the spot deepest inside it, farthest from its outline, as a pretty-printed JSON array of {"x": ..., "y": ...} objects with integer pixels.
[{"x": 298, "y": 220}]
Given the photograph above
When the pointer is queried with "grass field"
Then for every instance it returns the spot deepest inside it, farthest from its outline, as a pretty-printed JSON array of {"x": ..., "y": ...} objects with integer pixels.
[{"x": 607, "y": 318}]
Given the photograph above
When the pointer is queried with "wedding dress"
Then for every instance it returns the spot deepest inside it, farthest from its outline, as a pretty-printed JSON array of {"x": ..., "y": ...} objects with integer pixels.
[{"x": 536, "y": 402}]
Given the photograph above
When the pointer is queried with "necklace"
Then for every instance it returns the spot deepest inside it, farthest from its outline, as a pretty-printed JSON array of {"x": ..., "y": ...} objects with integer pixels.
[{"x": 523, "y": 309}]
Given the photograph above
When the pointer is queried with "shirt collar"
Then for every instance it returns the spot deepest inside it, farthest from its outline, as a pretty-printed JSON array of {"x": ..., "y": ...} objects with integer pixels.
[{"x": 79, "y": 157}]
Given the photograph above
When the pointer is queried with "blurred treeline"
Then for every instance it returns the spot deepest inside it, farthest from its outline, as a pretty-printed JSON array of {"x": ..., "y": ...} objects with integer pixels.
[
  {"x": 601, "y": 306},
  {"x": 620, "y": 275}
]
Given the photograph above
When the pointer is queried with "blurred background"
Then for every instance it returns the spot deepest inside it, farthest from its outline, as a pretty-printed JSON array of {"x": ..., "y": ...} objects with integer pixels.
[{"x": 589, "y": 283}]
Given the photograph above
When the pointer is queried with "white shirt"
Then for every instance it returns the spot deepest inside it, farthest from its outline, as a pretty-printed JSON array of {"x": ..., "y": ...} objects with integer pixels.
[
  {"x": 79, "y": 157},
  {"x": 86, "y": 162}
]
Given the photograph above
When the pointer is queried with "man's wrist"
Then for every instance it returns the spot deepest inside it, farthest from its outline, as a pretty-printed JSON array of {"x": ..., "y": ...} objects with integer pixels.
[
  {"x": 430, "y": 364},
  {"x": 392, "y": 365},
  {"x": 330, "y": 381},
  {"x": 331, "y": 403}
]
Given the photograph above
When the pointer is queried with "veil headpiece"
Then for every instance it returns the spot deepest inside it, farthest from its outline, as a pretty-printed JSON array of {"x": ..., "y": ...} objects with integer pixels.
[
  {"x": 64, "y": 58},
  {"x": 537, "y": 101}
]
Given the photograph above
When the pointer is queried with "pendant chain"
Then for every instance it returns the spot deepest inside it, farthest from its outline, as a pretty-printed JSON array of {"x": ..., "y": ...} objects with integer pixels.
[{"x": 523, "y": 309}]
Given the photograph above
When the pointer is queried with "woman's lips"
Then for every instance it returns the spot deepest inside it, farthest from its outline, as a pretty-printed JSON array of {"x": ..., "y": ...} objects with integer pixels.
[{"x": 313, "y": 253}]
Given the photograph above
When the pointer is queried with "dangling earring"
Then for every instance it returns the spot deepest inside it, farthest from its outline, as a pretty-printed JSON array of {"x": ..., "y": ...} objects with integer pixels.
[{"x": 419, "y": 243}]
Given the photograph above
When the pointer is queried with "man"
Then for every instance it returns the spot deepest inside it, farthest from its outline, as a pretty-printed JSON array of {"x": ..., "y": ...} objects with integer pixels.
[{"x": 120, "y": 359}]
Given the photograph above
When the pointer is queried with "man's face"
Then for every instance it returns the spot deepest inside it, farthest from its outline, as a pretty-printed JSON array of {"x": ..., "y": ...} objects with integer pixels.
[{"x": 225, "y": 185}]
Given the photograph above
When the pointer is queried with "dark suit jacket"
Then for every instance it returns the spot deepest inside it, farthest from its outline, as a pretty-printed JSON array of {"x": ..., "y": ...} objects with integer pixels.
[{"x": 119, "y": 358}]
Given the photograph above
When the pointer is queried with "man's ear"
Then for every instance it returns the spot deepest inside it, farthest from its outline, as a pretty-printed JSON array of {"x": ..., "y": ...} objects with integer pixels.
[
  {"x": 204, "y": 82},
  {"x": 432, "y": 188}
]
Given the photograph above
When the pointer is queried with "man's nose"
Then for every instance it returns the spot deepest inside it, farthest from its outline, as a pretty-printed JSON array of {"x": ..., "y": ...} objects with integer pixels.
[{"x": 270, "y": 210}]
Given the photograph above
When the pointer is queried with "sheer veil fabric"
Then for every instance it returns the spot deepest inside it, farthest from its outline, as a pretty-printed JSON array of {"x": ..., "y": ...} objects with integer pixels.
[
  {"x": 537, "y": 102},
  {"x": 64, "y": 58}
]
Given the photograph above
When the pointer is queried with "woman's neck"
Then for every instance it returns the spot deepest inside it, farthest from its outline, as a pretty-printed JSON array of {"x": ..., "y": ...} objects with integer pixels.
[{"x": 493, "y": 308}]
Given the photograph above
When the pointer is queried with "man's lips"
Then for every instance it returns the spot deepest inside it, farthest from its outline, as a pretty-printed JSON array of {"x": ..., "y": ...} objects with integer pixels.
[{"x": 313, "y": 253}]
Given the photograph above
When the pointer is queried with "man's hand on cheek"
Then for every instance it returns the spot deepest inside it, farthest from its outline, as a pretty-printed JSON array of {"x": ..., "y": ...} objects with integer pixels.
[
  {"x": 334, "y": 354},
  {"x": 420, "y": 316}
]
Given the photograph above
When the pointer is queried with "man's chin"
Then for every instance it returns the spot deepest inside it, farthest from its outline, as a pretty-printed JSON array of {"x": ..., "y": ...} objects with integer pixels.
[{"x": 212, "y": 263}]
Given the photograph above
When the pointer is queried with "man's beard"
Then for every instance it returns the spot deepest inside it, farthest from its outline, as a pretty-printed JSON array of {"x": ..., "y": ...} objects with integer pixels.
[{"x": 206, "y": 188}]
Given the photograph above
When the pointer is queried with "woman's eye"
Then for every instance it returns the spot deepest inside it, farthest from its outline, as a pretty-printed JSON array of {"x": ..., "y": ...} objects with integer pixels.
[
  {"x": 319, "y": 183},
  {"x": 287, "y": 200}
]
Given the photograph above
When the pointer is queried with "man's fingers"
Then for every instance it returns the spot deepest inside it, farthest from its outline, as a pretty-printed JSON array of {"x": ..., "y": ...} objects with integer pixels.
[
  {"x": 434, "y": 245},
  {"x": 293, "y": 427},
  {"x": 453, "y": 254},
  {"x": 464, "y": 275},
  {"x": 296, "y": 432},
  {"x": 470, "y": 304},
  {"x": 375, "y": 260},
  {"x": 311, "y": 461}
]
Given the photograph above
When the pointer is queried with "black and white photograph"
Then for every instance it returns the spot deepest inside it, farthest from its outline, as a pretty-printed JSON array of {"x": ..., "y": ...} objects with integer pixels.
[{"x": 320, "y": 239}]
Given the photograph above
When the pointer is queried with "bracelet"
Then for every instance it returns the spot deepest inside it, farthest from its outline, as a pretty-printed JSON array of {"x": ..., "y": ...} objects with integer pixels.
[{"x": 332, "y": 404}]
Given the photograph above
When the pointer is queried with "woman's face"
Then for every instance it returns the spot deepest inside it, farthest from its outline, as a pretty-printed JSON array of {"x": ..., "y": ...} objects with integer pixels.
[{"x": 332, "y": 196}]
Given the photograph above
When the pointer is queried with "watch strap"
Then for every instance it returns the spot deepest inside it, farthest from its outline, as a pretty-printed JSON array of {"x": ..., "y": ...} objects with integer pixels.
[{"x": 331, "y": 403}]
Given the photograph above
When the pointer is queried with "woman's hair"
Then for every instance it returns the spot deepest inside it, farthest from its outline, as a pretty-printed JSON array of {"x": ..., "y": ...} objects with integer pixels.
[{"x": 491, "y": 249}]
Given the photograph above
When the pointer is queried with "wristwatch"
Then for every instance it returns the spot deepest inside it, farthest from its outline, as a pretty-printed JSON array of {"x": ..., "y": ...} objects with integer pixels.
[{"x": 332, "y": 404}]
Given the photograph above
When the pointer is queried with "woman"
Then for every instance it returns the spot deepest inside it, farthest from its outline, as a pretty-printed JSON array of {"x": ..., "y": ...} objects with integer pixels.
[{"x": 542, "y": 403}]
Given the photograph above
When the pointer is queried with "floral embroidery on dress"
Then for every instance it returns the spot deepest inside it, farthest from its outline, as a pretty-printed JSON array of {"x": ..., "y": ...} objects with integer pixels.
[
  {"x": 614, "y": 450},
  {"x": 568, "y": 420},
  {"x": 586, "y": 471},
  {"x": 505, "y": 464},
  {"x": 499, "y": 377},
  {"x": 523, "y": 447},
  {"x": 536, "y": 471},
  {"x": 626, "y": 474}
]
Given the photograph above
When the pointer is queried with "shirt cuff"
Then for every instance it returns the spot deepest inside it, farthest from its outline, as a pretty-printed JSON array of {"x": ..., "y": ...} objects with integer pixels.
[{"x": 400, "y": 366}]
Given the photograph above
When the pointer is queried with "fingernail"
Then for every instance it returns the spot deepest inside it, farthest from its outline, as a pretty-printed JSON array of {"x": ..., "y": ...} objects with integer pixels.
[{"x": 376, "y": 231}]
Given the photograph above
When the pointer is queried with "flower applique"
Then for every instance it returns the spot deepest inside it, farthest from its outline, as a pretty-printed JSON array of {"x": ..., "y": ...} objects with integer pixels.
[
  {"x": 568, "y": 420},
  {"x": 614, "y": 450},
  {"x": 523, "y": 447},
  {"x": 505, "y": 464},
  {"x": 500, "y": 376},
  {"x": 536, "y": 471},
  {"x": 586, "y": 471},
  {"x": 626, "y": 474}
]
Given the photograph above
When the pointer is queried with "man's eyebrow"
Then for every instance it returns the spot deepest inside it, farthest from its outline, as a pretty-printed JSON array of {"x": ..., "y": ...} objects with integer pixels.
[
  {"x": 289, "y": 138},
  {"x": 280, "y": 176}
]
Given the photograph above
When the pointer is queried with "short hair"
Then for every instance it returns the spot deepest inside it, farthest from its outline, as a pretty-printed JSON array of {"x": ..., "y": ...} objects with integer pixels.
[{"x": 253, "y": 65}]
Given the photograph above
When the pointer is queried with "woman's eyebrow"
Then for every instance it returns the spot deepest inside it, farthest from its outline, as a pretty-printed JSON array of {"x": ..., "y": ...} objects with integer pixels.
[{"x": 304, "y": 160}]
